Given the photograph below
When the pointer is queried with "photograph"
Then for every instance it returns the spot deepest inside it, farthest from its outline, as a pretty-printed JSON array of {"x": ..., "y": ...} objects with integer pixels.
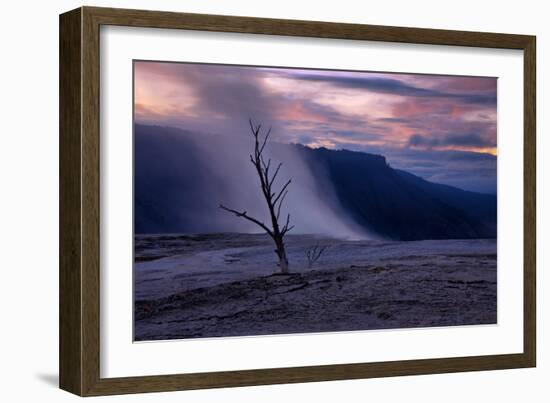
[
  {"x": 281, "y": 201},
  {"x": 274, "y": 200}
]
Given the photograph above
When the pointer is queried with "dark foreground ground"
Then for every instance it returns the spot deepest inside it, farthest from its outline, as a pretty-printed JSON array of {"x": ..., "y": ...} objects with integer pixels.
[{"x": 189, "y": 286}]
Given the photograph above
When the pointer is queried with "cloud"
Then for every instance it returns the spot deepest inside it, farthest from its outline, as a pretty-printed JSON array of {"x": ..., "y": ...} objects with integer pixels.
[
  {"x": 396, "y": 87},
  {"x": 409, "y": 118},
  {"x": 466, "y": 139}
]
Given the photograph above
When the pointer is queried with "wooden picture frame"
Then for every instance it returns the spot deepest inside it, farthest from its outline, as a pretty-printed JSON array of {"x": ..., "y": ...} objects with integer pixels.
[{"x": 79, "y": 348}]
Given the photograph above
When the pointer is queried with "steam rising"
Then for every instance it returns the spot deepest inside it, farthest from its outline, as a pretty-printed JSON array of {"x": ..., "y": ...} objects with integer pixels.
[{"x": 311, "y": 201}]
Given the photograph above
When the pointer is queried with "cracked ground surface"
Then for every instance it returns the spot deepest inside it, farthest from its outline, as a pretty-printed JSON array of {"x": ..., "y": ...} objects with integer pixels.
[{"x": 218, "y": 286}]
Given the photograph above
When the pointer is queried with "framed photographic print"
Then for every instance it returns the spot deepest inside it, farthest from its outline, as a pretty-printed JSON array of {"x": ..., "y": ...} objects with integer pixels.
[{"x": 249, "y": 201}]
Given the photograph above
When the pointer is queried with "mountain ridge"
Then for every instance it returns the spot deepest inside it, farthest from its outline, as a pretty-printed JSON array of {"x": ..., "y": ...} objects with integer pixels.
[{"x": 177, "y": 183}]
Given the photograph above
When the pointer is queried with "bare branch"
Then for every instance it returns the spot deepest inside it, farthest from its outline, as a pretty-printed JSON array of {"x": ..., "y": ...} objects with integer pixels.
[
  {"x": 314, "y": 254},
  {"x": 268, "y": 165},
  {"x": 247, "y": 217},
  {"x": 286, "y": 228},
  {"x": 275, "y": 174},
  {"x": 261, "y": 150},
  {"x": 265, "y": 167},
  {"x": 274, "y": 199},
  {"x": 280, "y": 204},
  {"x": 281, "y": 192}
]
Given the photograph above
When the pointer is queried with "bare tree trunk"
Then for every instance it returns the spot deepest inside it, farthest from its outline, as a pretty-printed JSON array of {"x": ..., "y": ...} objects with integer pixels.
[
  {"x": 274, "y": 199},
  {"x": 283, "y": 260}
]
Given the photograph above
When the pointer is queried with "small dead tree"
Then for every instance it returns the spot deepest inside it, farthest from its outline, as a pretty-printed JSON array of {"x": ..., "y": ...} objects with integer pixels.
[
  {"x": 314, "y": 254},
  {"x": 274, "y": 199}
]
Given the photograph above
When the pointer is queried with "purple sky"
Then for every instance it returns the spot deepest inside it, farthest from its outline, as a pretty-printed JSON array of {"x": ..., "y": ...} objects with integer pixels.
[{"x": 442, "y": 128}]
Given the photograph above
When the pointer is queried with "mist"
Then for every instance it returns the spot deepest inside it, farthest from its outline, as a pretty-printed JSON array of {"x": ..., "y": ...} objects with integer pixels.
[
  {"x": 232, "y": 180},
  {"x": 181, "y": 178}
]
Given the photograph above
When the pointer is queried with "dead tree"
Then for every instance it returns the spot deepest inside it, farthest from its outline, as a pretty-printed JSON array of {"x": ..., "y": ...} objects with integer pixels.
[
  {"x": 274, "y": 199},
  {"x": 314, "y": 254}
]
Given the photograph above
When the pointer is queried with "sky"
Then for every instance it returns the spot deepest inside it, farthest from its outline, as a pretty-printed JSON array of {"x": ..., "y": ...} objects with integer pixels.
[{"x": 442, "y": 128}]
